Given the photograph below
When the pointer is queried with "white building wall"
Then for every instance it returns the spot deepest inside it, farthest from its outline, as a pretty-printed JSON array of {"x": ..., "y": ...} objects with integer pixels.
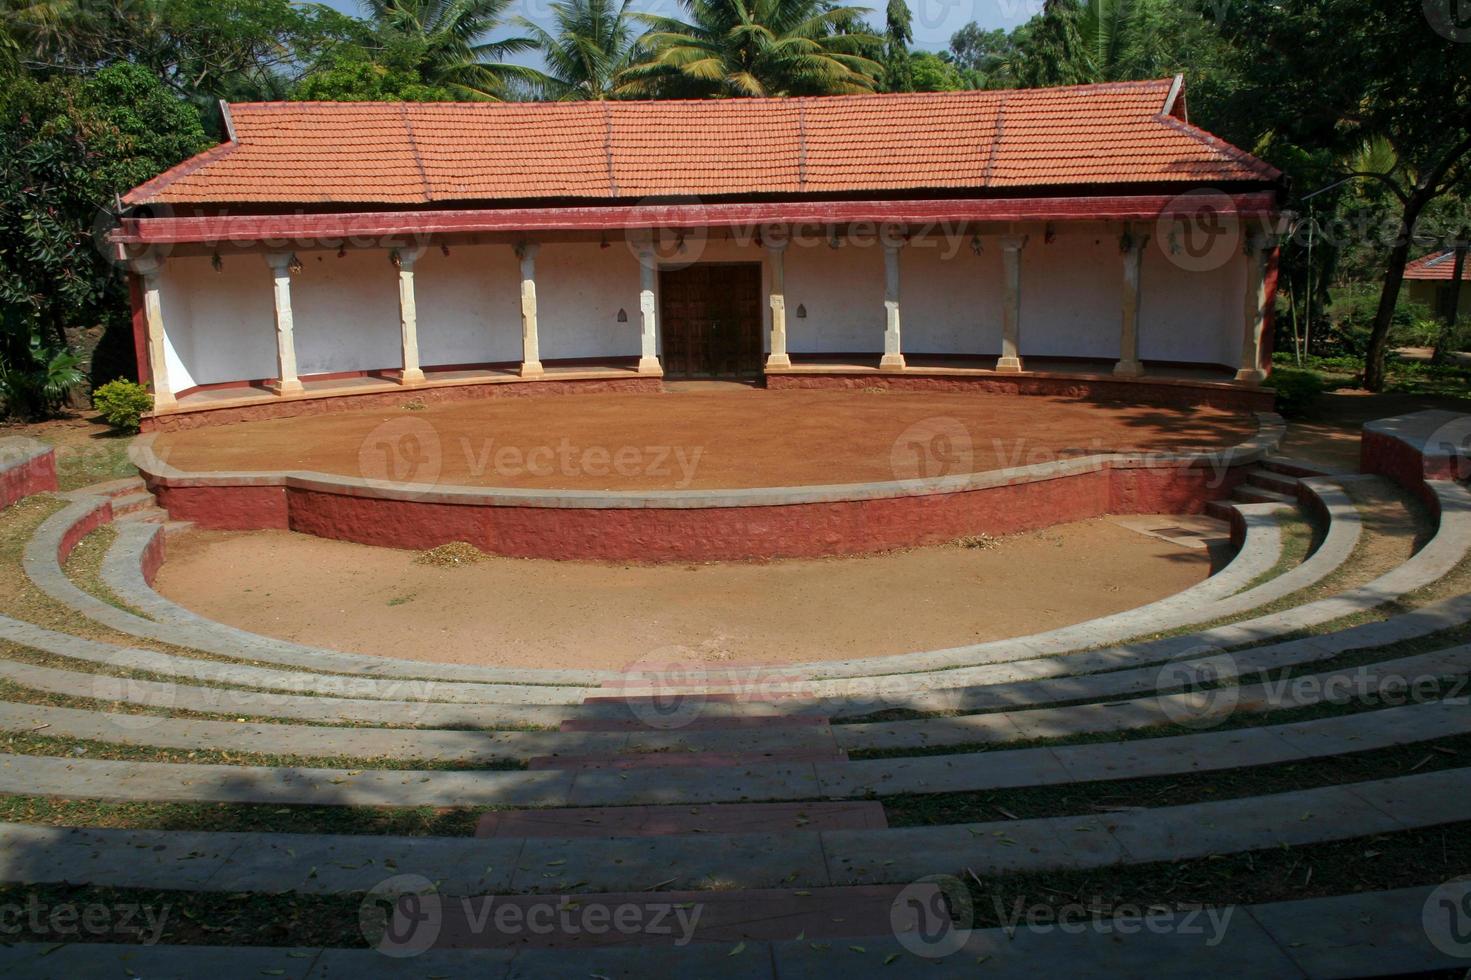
[
  {"x": 949, "y": 297},
  {"x": 1071, "y": 292},
  {"x": 1189, "y": 315},
  {"x": 220, "y": 326},
  {"x": 346, "y": 312},
  {"x": 580, "y": 287},
  {"x": 468, "y": 305},
  {"x": 843, "y": 292}
]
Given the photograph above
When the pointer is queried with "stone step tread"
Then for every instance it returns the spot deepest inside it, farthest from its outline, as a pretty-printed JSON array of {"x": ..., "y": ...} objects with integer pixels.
[
  {"x": 1257, "y": 495},
  {"x": 1221, "y": 510},
  {"x": 659, "y": 821},
  {"x": 143, "y": 515},
  {"x": 1291, "y": 466},
  {"x": 124, "y": 503},
  {"x": 684, "y": 760},
  {"x": 114, "y": 488},
  {"x": 1316, "y": 937},
  {"x": 1269, "y": 480},
  {"x": 660, "y": 918},
  {"x": 731, "y": 723}
]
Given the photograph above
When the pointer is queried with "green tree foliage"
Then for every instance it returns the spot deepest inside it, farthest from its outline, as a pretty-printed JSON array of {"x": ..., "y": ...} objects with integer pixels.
[
  {"x": 591, "y": 43},
  {"x": 985, "y": 59},
  {"x": 445, "y": 44},
  {"x": 754, "y": 48},
  {"x": 388, "y": 73},
  {"x": 1054, "y": 52},
  {"x": 898, "y": 33},
  {"x": 1409, "y": 85},
  {"x": 67, "y": 146},
  {"x": 931, "y": 72}
]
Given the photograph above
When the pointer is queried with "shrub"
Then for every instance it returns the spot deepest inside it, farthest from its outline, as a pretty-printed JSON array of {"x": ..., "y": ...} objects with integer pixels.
[
  {"x": 1296, "y": 389},
  {"x": 122, "y": 403},
  {"x": 34, "y": 383}
]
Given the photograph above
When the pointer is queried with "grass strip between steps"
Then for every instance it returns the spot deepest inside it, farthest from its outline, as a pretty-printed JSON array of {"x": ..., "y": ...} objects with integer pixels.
[
  {"x": 32, "y": 743},
  {"x": 1364, "y": 864}
]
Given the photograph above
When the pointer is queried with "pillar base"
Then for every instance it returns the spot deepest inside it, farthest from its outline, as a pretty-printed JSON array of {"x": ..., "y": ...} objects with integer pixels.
[
  {"x": 531, "y": 369},
  {"x": 1128, "y": 369},
  {"x": 649, "y": 365},
  {"x": 777, "y": 361},
  {"x": 413, "y": 377},
  {"x": 164, "y": 402},
  {"x": 1009, "y": 365},
  {"x": 1251, "y": 376},
  {"x": 892, "y": 362},
  {"x": 289, "y": 387}
]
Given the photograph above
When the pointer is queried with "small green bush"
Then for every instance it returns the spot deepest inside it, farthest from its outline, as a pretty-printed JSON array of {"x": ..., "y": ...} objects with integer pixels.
[
  {"x": 1296, "y": 389},
  {"x": 122, "y": 403}
]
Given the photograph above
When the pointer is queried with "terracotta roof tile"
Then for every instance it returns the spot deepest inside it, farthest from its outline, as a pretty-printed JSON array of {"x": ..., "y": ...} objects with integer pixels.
[
  {"x": 1437, "y": 265},
  {"x": 421, "y": 153}
]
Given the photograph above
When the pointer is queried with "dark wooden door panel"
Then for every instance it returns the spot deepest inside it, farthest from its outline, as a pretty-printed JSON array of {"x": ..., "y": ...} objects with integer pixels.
[{"x": 711, "y": 320}]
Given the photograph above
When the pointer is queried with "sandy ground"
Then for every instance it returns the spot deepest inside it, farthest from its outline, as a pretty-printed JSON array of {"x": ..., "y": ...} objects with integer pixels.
[
  {"x": 730, "y": 437},
  {"x": 515, "y": 612}
]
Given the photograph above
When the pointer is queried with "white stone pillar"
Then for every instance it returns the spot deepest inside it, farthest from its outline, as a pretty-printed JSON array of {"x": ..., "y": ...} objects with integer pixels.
[
  {"x": 778, "y": 358},
  {"x": 408, "y": 317},
  {"x": 1258, "y": 249},
  {"x": 893, "y": 359},
  {"x": 1011, "y": 303},
  {"x": 287, "y": 383},
  {"x": 648, "y": 362},
  {"x": 530, "y": 342},
  {"x": 158, "y": 365},
  {"x": 1129, "y": 365}
]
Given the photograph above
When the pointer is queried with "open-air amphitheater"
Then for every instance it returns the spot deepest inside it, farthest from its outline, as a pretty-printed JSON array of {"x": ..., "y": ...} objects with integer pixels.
[{"x": 1103, "y": 799}]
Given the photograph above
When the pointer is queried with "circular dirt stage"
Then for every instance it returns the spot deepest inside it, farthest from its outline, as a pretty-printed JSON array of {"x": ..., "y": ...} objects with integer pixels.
[{"x": 703, "y": 472}]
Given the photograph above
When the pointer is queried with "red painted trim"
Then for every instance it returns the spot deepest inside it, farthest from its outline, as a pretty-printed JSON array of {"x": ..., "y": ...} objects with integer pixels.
[
  {"x": 140, "y": 328},
  {"x": 327, "y": 229},
  {"x": 1269, "y": 317},
  {"x": 652, "y": 534},
  {"x": 35, "y": 475}
]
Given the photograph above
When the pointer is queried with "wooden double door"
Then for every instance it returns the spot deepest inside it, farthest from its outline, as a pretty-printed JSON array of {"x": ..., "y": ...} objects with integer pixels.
[{"x": 710, "y": 316}]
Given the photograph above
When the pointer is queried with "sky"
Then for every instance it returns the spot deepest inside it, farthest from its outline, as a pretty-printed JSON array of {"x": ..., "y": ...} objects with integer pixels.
[{"x": 933, "y": 20}]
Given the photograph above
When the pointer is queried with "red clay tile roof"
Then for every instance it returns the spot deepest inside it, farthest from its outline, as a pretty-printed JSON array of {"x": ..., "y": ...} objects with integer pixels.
[
  {"x": 1437, "y": 265},
  {"x": 422, "y": 153}
]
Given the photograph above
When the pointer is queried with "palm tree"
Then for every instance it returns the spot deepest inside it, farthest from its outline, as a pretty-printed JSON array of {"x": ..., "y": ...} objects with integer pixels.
[
  {"x": 756, "y": 48},
  {"x": 593, "y": 43},
  {"x": 447, "y": 40}
]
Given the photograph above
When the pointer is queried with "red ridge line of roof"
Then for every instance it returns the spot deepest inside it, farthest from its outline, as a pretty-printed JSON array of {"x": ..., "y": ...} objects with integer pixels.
[
  {"x": 1221, "y": 146},
  {"x": 414, "y": 150},
  {"x": 492, "y": 104},
  {"x": 146, "y": 189},
  {"x": 244, "y": 228}
]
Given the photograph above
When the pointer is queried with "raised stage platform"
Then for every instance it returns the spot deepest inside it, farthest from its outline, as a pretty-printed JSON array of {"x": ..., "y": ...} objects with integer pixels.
[{"x": 706, "y": 474}]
